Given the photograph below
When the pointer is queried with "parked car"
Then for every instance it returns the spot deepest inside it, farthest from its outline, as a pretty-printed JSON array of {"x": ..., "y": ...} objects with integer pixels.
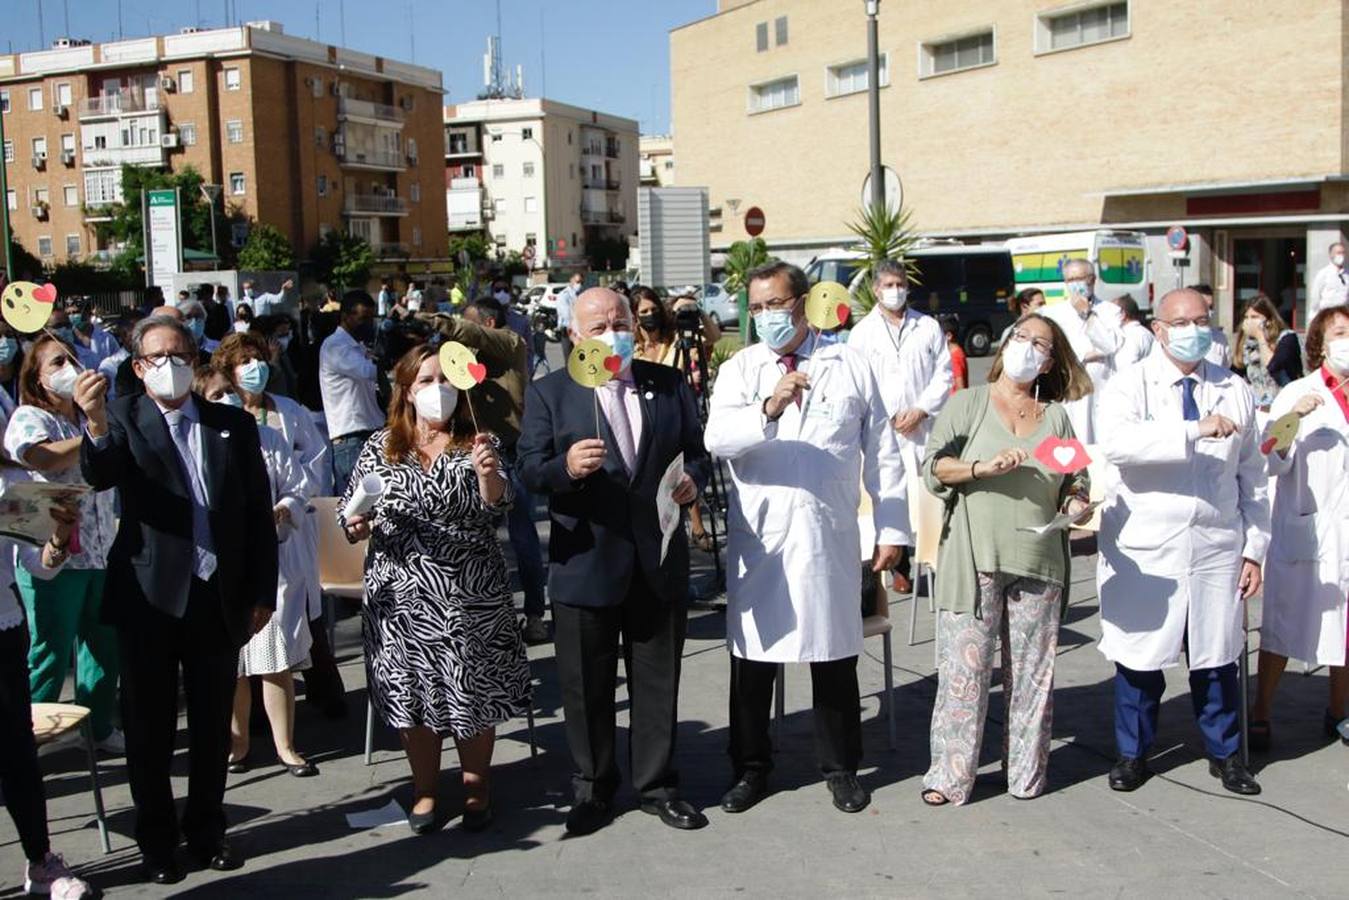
[
  {"x": 541, "y": 303},
  {"x": 719, "y": 304}
]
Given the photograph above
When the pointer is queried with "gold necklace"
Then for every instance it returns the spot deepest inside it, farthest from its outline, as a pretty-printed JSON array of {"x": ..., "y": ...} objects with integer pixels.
[{"x": 1020, "y": 408}]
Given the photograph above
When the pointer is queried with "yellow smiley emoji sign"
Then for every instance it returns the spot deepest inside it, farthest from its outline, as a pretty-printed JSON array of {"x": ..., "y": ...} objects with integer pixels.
[
  {"x": 1281, "y": 433},
  {"x": 27, "y": 306},
  {"x": 827, "y": 305},
  {"x": 461, "y": 365},
  {"x": 592, "y": 363}
]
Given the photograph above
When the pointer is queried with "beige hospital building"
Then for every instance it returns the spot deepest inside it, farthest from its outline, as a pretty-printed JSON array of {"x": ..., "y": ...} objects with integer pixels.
[{"x": 1012, "y": 117}]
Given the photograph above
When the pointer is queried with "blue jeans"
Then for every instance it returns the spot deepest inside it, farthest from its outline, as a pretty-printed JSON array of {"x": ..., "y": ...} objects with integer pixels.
[
  {"x": 525, "y": 542},
  {"x": 346, "y": 450}
]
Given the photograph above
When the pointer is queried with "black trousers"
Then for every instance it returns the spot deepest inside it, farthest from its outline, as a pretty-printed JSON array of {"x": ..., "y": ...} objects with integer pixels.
[
  {"x": 153, "y": 647},
  {"x": 836, "y": 705},
  {"x": 20, "y": 775},
  {"x": 587, "y": 642}
]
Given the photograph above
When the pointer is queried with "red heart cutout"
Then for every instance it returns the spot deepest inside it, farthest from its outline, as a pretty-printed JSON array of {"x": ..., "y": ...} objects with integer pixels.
[
  {"x": 842, "y": 313},
  {"x": 1064, "y": 457},
  {"x": 46, "y": 293},
  {"x": 478, "y": 371},
  {"x": 613, "y": 363}
]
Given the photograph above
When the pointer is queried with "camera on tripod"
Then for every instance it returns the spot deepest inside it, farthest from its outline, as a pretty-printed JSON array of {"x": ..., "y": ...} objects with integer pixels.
[{"x": 688, "y": 320}]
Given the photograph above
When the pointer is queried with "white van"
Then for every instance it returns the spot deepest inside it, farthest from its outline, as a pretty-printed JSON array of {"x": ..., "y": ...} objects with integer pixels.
[{"x": 1120, "y": 258}]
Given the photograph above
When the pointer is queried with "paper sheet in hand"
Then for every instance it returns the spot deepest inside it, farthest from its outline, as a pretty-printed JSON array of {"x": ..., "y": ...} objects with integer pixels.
[
  {"x": 25, "y": 509},
  {"x": 1062, "y": 522},
  {"x": 366, "y": 495},
  {"x": 667, "y": 510}
]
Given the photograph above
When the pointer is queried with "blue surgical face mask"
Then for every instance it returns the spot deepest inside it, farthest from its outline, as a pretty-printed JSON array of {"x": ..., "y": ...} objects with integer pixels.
[
  {"x": 197, "y": 326},
  {"x": 1078, "y": 288},
  {"x": 621, "y": 342},
  {"x": 283, "y": 342},
  {"x": 9, "y": 349},
  {"x": 252, "y": 376},
  {"x": 1188, "y": 343},
  {"x": 775, "y": 327},
  {"x": 232, "y": 399},
  {"x": 65, "y": 333}
]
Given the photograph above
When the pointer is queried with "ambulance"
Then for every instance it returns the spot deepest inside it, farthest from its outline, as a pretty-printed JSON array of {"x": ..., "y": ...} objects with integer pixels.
[{"x": 1119, "y": 257}]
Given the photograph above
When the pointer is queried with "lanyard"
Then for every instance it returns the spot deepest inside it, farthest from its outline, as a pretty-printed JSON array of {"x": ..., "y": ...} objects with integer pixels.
[{"x": 896, "y": 339}]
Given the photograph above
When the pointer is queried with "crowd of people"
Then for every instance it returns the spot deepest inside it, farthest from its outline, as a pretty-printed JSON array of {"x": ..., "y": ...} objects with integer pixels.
[{"x": 203, "y": 431}]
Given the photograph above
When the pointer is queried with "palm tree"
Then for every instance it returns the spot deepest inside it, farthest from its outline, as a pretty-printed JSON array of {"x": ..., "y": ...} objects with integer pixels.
[
  {"x": 742, "y": 258},
  {"x": 882, "y": 233}
]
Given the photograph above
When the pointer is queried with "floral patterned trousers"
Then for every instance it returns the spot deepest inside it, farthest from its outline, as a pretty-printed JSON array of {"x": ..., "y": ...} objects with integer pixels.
[{"x": 1025, "y": 613}]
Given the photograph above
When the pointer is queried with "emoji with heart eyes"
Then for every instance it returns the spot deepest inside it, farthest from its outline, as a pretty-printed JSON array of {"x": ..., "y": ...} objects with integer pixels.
[
  {"x": 827, "y": 306},
  {"x": 461, "y": 365},
  {"x": 27, "y": 306},
  {"x": 592, "y": 363}
]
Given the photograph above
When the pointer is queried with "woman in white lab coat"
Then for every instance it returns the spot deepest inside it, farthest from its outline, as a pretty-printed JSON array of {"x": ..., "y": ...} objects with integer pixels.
[{"x": 1307, "y": 572}]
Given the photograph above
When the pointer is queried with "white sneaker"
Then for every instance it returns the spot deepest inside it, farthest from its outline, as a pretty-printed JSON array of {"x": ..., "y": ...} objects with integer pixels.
[
  {"x": 114, "y": 744},
  {"x": 52, "y": 877}
]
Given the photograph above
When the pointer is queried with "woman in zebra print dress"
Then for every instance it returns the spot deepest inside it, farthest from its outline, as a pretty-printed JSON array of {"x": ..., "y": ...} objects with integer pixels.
[{"x": 443, "y": 653}]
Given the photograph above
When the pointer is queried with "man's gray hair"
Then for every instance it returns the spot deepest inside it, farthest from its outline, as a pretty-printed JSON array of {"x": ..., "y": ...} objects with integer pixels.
[
  {"x": 889, "y": 267},
  {"x": 187, "y": 307},
  {"x": 797, "y": 279},
  {"x": 1079, "y": 263},
  {"x": 146, "y": 325}
]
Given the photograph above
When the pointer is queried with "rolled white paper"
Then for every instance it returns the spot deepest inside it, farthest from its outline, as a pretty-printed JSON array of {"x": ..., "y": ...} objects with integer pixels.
[{"x": 364, "y": 498}]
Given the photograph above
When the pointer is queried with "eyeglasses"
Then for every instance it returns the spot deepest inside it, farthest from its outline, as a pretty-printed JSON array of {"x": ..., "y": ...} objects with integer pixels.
[
  {"x": 1040, "y": 344},
  {"x": 158, "y": 359},
  {"x": 1201, "y": 321},
  {"x": 772, "y": 304}
]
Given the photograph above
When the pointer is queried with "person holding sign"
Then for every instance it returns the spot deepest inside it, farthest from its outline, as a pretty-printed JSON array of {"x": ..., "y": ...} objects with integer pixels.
[
  {"x": 798, "y": 419},
  {"x": 1004, "y": 460},
  {"x": 599, "y": 439},
  {"x": 1184, "y": 529},
  {"x": 1305, "y": 614},
  {"x": 443, "y": 654}
]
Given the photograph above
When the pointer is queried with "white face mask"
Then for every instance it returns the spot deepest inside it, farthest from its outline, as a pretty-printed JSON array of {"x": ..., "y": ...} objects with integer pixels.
[
  {"x": 1021, "y": 361},
  {"x": 241, "y": 326},
  {"x": 436, "y": 402},
  {"x": 169, "y": 380},
  {"x": 1338, "y": 260},
  {"x": 61, "y": 383},
  {"x": 1337, "y": 355},
  {"x": 894, "y": 298}
]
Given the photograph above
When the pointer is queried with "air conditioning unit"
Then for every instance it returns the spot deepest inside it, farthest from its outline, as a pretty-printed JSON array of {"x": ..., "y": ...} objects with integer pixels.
[
  {"x": 167, "y": 83},
  {"x": 68, "y": 157},
  {"x": 168, "y": 139},
  {"x": 60, "y": 110},
  {"x": 406, "y": 103},
  {"x": 412, "y": 159},
  {"x": 39, "y": 161},
  {"x": 189, "y": 29},
  {"x": 39, "y": 211}
]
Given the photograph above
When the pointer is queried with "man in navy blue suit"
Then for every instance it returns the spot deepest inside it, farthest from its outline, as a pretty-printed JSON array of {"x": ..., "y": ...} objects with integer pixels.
[{"x": 612, "y": 587}]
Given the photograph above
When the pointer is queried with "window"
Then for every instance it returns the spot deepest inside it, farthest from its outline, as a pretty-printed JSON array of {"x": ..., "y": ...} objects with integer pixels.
[
  {"x": 236, "y": 182},
  {"x": 42, "y": 197},
  {"x": 44, "y": 246},
  {"x": 1092, "y": 25},
  {"x": 40, "y": 147},
  {"x": 761, "y": 37},
  {"x": 412, "y": 149},
  {"x": 780, "y": 31},
  {"x": 63, "y": 95},
  {"x": 416, "y": 235},
  {"x": 501, "y": 204},
  {"x": 852, "y": 77},
  {"x": 526, "y": 134},
  {"x": 967, "y": 52},
  {"x": 320, "y": 136},
  {"x": 498, "y": 170},
  {"x": 458, "y": 142},
  {"x": 102, "y": 186},
  {"x": 100, "y": 142},
  {"x": 35, "y": 101},
  {"x": 185, "y": 82},
  {"x": 12, "y": 198},
  {"x": 234, "y": 131},
  {"x": 470, "y": 170},
  {"x": 774, "y": 94},
  {"x": 4, "y": 101},
  {"x": 9, "y": 151},
  {"x": 496, "y": 136},
  {"x": 187, "y": 134},
  {"x": 72, "y": 245},
  {"x": 528, "y": 170},
  {"x": 323, "y": 185},
  {"x": 531, "y": 204},
  {"x": 669, "y": 163},
  {"x": 71, "y": 195},
  {"x": 238, "y": 234},
  {"x": 232, "y": 80},
  {"x": 415, "y": 192},
  {"x": 67, "y": 143}
]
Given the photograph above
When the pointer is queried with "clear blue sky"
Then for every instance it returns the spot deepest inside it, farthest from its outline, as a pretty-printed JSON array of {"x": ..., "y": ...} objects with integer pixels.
[{"x": 611, "y": 55}]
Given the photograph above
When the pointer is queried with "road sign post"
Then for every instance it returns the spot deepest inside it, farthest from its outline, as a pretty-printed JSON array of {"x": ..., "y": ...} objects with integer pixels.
[{"x": 754, "y": 221}]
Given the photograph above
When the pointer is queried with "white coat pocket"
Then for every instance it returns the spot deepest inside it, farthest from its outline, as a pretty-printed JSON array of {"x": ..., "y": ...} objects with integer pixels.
[{"x": 1295, "y": 539}]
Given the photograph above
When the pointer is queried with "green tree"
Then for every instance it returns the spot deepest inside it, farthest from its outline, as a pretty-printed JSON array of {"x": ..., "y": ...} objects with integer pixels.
[
  {"x": 475, "y": 245},
  {"x": 27, "y": 267},
  {"x": 343, "y": 260},
  {"x": 266, "y": 250},
  {"x": 125, "y": 222},
  {"x": 882, "y": 233},
  {"x": 84, "y": 278},
  {"x": 743, "y": 257}
]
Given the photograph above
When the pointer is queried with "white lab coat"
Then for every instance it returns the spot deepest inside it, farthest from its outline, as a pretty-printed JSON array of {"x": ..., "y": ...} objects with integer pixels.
[
  {"x": 1220, "y": 351},
  {"x": 1307, "y": 574},
  {"x": 793, "y": 579},
  {"x": 1137, "y": 345},
  {"x": 912, "y": 365},
  {"x": 1330, "y": 288},
  {"x": 1180, "y": 514},
  {"x": 297, "y": 586},
  {"x": 1099, "y": 334},
  {"x": 314, "y": 455}
]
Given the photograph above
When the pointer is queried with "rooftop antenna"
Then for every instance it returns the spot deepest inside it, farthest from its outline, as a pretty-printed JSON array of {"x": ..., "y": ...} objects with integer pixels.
[
  {"x": 41, "y": 29},
  {"x": 497, "y": 82},
  {"x": 543, "y": 57}
]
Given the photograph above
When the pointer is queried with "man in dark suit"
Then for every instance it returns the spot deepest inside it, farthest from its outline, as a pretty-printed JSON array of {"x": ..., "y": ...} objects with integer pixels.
[
  {"x": 609, "y": 583},
  {"x": 192, "y": 574}
]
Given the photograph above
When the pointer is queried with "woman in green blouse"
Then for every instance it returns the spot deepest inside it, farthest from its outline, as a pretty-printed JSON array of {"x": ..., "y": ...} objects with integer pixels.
[{"x": 994, "y": 577}]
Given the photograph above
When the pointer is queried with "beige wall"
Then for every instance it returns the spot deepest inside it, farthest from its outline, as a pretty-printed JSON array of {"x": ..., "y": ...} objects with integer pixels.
[{"x": 1200, "y": 92}]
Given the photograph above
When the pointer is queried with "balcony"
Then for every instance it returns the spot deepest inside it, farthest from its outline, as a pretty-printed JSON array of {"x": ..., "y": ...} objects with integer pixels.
[
  {"x": 595, "y": 217},
  {"x": 611, "y": 149},
  {"x": 383, "y": 160},
  {"x": 109, "y": 106},
  {"x": 388, "y": 249},
  {"x": 612, "y": 184},
  {"x": 375, "y": 205},
  {"x": 107, "y": 157},
  {"x": 368, "y": 110},
  {"x": 616, "y": 218}
]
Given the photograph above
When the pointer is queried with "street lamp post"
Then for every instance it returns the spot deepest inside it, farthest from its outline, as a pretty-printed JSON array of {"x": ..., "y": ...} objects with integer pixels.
[
  {"x": 874, "y": 103},
  {"x": 210, "y": 192},
  {"x": 4, "y": 212}
]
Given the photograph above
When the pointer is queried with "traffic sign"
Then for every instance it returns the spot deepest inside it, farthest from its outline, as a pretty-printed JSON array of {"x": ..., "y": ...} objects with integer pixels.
[
  {"x": 1177, "y": 239},
  {"x": 754, "y": 221},
  {"x": 894, "y": 191}
]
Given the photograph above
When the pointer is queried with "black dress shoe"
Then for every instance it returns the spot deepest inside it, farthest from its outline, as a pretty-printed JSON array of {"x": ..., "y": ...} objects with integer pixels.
[
  {"x": 849, "y": 795},
  {"x": 161, "y": 871},
  {"x": 237, "y": 766},
  {"x": 747, "y": 791},
  {"x": 676, "y": 813},
  {"x": 424, "y": 823},
  {"x": 588, "y": 817},
  {"x": 221, "y": 857},
  {"x": 1331, "y": 725},
  {"x": 477, "y": 819},
  {"x": 1235, "y": 776},
  {"x": 1128, "y": 773},
  {"x": 304, "y": 770}
]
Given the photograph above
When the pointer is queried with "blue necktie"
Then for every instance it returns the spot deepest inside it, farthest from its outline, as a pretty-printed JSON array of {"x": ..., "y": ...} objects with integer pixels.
[
  {"x": 204, "y": 562},
  {"x": 1189, "y": 409}
]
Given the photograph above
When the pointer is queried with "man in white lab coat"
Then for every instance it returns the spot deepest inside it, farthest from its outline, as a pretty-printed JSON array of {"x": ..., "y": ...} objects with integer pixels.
[
  {"x": 1330, "y": 287},
  {"x": 1093, "y": 328},
  {"x": 912, "y": 365},
  {"x": 1183, "y": 534},
  {"x": 797, "y": 419}
]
